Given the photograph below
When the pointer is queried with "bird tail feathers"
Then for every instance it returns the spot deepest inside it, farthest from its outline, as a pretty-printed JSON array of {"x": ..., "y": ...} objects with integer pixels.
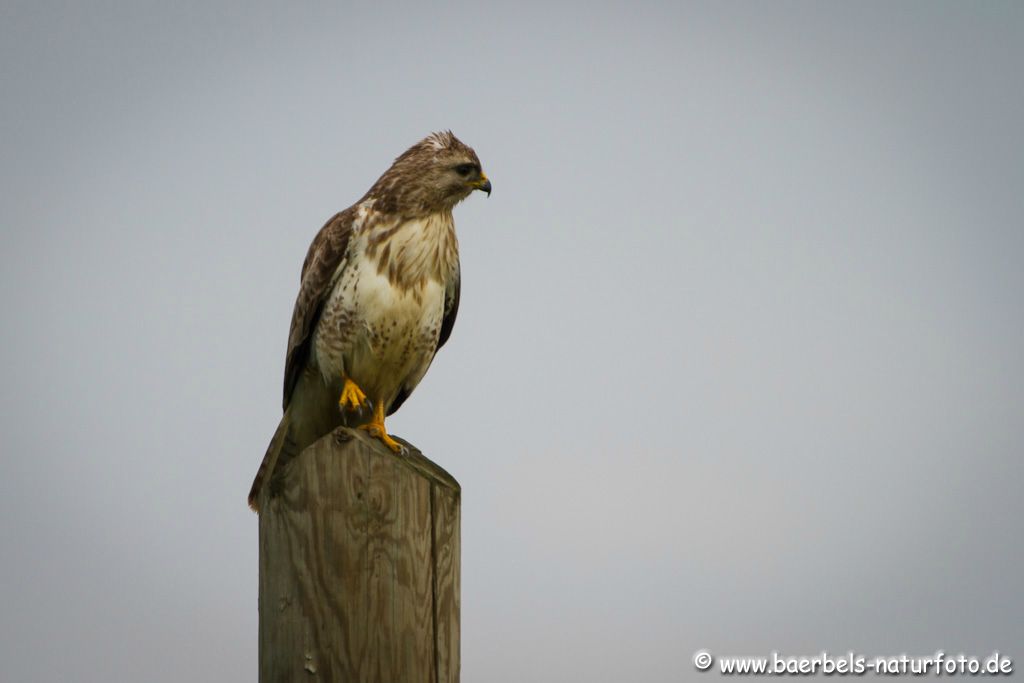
[{"x": 281, "y": 450}]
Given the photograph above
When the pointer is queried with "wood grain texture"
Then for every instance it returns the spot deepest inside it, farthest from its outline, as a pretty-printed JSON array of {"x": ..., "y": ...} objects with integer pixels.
[{"x": 359, "y": 566}]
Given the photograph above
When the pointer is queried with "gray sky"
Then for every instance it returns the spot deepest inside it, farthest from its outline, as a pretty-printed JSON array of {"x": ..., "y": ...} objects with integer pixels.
[{"x": 737, "y": 366}]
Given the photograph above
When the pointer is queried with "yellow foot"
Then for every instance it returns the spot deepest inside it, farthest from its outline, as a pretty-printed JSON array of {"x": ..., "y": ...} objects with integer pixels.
[
  {"x": 376, "y": 429},
  {"x": 352, "y": 397}
]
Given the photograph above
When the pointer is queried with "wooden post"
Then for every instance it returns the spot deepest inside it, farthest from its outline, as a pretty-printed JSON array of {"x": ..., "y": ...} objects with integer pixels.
[{"x": 359, "y": 566}]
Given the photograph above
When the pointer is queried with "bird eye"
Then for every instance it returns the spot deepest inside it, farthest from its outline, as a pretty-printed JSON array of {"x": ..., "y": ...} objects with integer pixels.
[{"x": 464, "y": 169}]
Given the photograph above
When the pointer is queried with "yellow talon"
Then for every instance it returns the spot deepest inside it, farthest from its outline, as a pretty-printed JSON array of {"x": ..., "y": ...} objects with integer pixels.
[
  {"x": 376, "y": 429},
  {"x": 352, "y": 396}
]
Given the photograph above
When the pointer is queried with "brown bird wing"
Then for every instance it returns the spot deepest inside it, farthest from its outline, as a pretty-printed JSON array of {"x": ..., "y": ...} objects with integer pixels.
[
  {"x": 325, "y": 254},
  {"x": 451, "y": 309}
]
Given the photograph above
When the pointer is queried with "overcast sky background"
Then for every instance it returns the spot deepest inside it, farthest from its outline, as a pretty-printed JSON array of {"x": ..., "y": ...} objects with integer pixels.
[{"x": 738, "y": 363}]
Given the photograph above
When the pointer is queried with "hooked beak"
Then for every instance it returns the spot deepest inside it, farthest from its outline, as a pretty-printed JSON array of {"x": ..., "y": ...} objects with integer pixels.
[{"x": 483, "y": 184}]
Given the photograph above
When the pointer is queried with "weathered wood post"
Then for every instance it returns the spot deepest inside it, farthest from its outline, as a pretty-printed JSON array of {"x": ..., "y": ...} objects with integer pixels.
[{"x": 359, "y": 566}]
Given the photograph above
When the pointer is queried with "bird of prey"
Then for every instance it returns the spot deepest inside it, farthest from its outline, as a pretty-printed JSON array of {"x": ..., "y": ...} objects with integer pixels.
[{"x": 378, "y": 297}]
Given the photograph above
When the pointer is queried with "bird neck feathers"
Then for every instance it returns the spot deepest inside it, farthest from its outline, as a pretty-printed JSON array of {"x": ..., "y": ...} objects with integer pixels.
[{"x": 411, "y": 251}]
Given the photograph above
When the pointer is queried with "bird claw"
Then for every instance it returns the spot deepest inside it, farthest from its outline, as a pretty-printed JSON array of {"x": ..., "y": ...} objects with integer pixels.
[
  {"x": 352, "y": 397},
  {"x": 377, "y": 430}
]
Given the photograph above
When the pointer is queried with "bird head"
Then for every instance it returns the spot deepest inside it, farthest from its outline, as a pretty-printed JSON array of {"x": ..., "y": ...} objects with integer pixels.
[{"x": 433, "y": 175}]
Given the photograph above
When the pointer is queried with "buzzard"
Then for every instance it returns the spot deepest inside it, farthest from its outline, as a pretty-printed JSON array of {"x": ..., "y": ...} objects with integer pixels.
[{"x": 378, "y": 298}]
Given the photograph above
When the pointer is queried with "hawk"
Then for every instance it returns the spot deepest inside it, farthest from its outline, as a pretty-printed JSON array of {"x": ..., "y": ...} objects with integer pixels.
[{"x": 378, "y": 296}]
